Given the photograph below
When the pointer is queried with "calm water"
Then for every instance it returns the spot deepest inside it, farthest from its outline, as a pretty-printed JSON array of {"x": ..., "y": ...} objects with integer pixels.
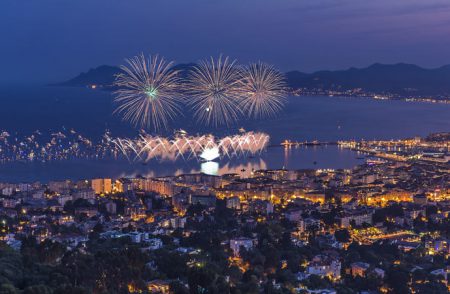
[
  {"x": 25, "y": 109},
  {"x": 272, "y": 158}
]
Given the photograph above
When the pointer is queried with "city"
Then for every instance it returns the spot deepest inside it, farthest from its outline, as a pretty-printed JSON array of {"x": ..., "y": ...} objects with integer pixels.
[
  {"x": 225, "y": 147},
  {"x": 312, "y": 231}
]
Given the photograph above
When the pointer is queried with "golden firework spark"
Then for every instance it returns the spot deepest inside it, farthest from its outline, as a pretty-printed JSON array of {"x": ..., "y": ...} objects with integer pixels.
[
  {"x": 264, "y": 90},
  {"x": 213, "y": 90}
]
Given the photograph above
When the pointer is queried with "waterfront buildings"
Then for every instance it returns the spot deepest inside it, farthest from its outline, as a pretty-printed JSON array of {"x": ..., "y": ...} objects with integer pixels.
[{"x": 281, "y": 229}]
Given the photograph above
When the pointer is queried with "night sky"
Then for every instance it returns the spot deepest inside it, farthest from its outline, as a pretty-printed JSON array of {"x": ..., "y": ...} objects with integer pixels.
[{"x": 53, "y": 40}]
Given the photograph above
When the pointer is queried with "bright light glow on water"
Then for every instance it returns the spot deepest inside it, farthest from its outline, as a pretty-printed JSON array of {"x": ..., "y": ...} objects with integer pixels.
[
  {"x": 272, "y": 158},
  {"x": 304, "y": 118},
  {"x": 210, "y": 154},
  {"x": 210, "y": 168}
]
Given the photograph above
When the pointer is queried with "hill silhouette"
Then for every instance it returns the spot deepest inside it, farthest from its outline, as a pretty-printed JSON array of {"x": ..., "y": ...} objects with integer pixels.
[{"x": 400, "y": 79}]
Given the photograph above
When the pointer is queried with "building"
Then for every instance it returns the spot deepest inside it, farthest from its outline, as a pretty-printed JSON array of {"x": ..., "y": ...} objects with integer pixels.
[
  {"x": 86, "y": 193},
  {"x": 293, "y": 215},
  {"x": 396, "y": 195},
  {"x": 38, "y": 194},
  {"x": 24, "y": 187},
  {"x": 325, "y": 266},
  {"x": 10, "y": 202},
  {"x": 88, "y": 211},
  {"x": 355, "y": 217},
  {"x": 135, "y": 211},
  {"x": 158, "y": 286},
  {"x": 8, "y": 191},
  {"x": 205, "y": 200},
  {"x": 124, "y": 184},
  {"x": 153, "y": 244},
  {"x": 178, "y": 222},
  {"x": 443, "y": 272},
  {"x": 359, "y": 269},
  {"x": 62, "y": 199},
  {"x": 420, "y": 199},
  {"x": 301, "y": 227},
  {"x": 180, "y": 201},
  {"x": 102, "y": 186},
  {"x": 233, "y": 202},
  {"x": 237, "y": 243},
  {"x": 59, "y": 186},
  {"x": 111, "y": 207},
  {"x": 412, "y": 210},
  {"x": 261, "y": 206},
  {"x": 201, "y": 179},
  {"x": 161, "y": 186}
]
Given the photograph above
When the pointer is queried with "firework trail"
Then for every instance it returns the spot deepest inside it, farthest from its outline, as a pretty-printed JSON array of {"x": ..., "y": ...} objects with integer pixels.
[
  {"x": 147, "y": 147},
  {"x": 148, "y": 92},
  {"x": 213, "y": 90},
  {"x": 264, "y": 90}
]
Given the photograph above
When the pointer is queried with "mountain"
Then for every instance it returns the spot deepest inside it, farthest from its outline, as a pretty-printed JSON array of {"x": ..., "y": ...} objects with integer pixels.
[
  {"x": 105, "y": 75},
  {"x": 398, "y": 79}
]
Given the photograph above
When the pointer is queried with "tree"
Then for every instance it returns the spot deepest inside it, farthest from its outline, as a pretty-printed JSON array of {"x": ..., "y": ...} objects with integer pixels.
[
  {"x": 397, "y": 279},
  {"x": 419, "y": 224},
  {"x": 250, "y": 284},
  {"x": 430, "y": 210},
  {"x": 316, "y": 282},
  {"x": 286, "y": 241},
  {"x": 38, "y": 289},
  {"x": 172, "y": 264},
  {"x": 11, "y": 266},
  {"x": 234, "y": 273},
  {"x": 342, "y": 236},
  {"x": 200, "y": 279},
  {"x": 176, "y": 287},
  {"x": 8, "y": 289}
]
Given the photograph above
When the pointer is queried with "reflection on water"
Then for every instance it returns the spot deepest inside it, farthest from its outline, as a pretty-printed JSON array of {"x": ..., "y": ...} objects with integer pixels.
[
  {"x": 304, "y": 118},
  {"x": 210, "y": 168},
  {"x": 244, "y": 169},
  {"x": 272, "y": 158}
]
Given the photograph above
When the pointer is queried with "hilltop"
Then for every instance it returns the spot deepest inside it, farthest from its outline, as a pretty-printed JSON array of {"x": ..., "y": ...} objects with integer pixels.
[{"x": 391, "y": 79}]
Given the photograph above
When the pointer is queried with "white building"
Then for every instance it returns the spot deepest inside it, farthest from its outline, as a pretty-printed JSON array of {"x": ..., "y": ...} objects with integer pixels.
[
  {"x": 293, "y": 215},
  {"x": 154, "y": 244},
  {"x": 233, "y": 202},
  {"x": 87, "y": 194},
  {"x": 324, "y": 266},
  {"x": 358, "y": 217},
  {"x": 237, "y": 243},
  {"x": 8, "y": 191},
  {"x": 62, "y": 199}
]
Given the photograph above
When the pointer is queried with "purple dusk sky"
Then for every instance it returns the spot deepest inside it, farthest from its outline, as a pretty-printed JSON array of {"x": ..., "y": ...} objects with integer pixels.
[{"x": 53, "y": 40}]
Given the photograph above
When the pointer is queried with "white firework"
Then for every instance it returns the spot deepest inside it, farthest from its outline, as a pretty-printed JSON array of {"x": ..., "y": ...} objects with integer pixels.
[
  {"x": 213, "y": 90},
  {"x": 147, "y": 147},
  {"x": 148, "y": 92},
  {"x": 264, "y": 90}
]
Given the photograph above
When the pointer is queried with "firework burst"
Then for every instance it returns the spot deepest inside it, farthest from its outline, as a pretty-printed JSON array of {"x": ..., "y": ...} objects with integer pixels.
[
  {"x": 148, "y": 92},
  {"x": 213, "y": 88},
  {"x": 148, "y": 147},
  {"x": 264, "y": 90}
]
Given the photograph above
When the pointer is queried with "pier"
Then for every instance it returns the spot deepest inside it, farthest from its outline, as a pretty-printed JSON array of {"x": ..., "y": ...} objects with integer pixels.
[{"x": 289, "y": 144}]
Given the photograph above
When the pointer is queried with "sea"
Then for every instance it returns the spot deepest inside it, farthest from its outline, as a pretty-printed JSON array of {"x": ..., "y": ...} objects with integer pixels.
[{"x": 25, "y": 109}]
